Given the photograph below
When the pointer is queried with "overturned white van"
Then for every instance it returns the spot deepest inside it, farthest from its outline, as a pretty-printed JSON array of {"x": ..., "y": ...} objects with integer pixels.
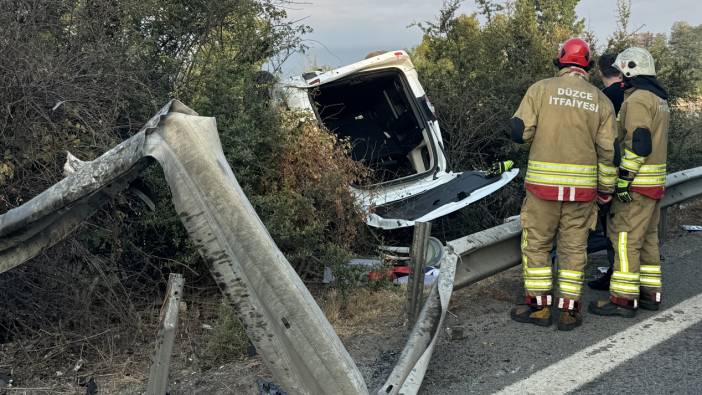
[{"x": 380, "y": 106}]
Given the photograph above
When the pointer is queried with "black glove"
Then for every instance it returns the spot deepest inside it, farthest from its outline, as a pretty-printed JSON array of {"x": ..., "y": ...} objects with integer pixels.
[
  {"x": 622, "y": 190},
  {"x": 498, "y": 168}
]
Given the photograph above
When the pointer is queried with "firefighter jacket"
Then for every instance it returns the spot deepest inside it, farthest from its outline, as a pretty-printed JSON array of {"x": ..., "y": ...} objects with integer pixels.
[
  {"x": 571, "y": 127},
  {"x": 643, "y": 133}
]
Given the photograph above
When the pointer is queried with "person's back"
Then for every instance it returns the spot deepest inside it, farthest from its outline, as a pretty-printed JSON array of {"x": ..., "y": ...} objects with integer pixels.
[
  {"x": 651, "y": 112},
  {"x": 568, "y": 114},
  {"x": 633, "y": 226},
  {"x": 571, "y": 127}
]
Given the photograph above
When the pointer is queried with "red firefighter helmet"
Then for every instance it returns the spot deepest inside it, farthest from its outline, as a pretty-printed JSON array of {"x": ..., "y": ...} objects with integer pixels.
[{"x": 576, "y": 52}]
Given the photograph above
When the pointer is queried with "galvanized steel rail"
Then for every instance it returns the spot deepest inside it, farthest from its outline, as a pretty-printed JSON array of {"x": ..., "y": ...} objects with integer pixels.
[
  {"x": 497, "y": 249},
  {"x": 281, "y": 317}
]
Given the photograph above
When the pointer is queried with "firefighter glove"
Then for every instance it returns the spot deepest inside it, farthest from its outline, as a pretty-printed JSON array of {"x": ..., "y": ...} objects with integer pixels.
[
  {"x": 498, "y": 168},
  {"x": 622, "y": 190}
]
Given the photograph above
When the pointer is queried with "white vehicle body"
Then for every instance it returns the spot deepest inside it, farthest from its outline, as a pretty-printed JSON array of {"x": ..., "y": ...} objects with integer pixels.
[{"x": 380, "y": 106}]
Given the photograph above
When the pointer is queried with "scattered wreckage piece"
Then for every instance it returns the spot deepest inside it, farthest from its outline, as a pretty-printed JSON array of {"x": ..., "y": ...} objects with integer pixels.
[{"x": 282, "y": 319}]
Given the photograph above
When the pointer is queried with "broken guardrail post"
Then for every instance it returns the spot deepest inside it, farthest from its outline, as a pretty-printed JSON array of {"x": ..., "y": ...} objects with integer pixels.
[
  {"x": 158, "y": 375},
  {"x": 663, "y": 223},
  {"x": 415, "y": 283}
]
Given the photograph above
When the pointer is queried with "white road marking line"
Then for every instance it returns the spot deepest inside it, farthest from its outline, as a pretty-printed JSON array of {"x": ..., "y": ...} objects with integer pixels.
[{"x": 588, "y": 364}]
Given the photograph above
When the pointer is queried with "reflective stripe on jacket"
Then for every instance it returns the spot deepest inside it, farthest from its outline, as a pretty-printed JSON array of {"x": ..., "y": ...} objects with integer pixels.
[
  {"x": 642, "y": 109},
  {"x": 571, "y": 127}
]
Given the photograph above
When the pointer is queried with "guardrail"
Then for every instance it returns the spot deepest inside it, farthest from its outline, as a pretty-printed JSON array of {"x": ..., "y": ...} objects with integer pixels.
[
  {"x": 497, "y": 249},
  {"x": 282, "y": 319}
]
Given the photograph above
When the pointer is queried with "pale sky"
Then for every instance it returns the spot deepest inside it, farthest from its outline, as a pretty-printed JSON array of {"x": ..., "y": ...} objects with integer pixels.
[{"x": 346, "y": 30}]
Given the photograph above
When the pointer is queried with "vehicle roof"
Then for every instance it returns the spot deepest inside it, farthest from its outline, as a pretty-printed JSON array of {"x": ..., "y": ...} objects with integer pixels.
[{"x": 398, "y": 59}]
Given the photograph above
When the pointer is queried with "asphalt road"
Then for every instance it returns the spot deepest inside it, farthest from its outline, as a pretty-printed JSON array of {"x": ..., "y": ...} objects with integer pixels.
[{"x": 653, "y": 353}]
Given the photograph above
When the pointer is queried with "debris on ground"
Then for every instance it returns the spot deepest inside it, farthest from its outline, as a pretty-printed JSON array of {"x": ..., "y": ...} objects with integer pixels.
[
  {"x": 456, "y": 332},
  {"x": 268, "y": 388}
]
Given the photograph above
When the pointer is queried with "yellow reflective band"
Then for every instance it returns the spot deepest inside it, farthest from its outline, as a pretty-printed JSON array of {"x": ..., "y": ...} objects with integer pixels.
[
  {"x": 651, "y": 281},
  {"x": 653, "y": 168},
  {"x": 630, "y": 155},
  {"x": 625, "y": 276},
  {"x": 623, "y": 258},
  {"x": 577, "y": 295},
  {"x": 648, "y": 180},
  {"x": 524, "y": 245},
  {"x": 651, "y": 269},
  {"x": 616, "y": 285},
  {"x": 606, "y": 170},
  {"x": 550, "y": 167},
  {"x": 538, "y": 284},
  {"x": 625, "y": 289},
  {"x": 608, "y": 181},
  {"x": 630, "y": 165},
  {"x": 543, "y": 271},
  {"x": 569, "y": 287},
  {"x": 561, "y": 180},
  {"x": 571, "y": 275}
]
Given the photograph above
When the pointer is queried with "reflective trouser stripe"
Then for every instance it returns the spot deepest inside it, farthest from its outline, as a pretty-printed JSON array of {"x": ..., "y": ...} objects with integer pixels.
[
  {"x": 525, "y": 260},
  {"x": 623, "y": 257},
  {"x": 535, "y": 278},
  {"x": 651, "y": 276},
  {"x": 570, "y": 282},
  {"x": 538, "y": 285},
  {"x": 623, "y": 282},
  {"x": 538, "y": 271},
  {"x": 651, "y": 269}
]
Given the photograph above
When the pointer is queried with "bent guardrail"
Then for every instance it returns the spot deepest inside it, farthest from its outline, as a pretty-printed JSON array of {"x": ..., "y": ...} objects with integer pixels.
[{"x": 281, "y": 318}]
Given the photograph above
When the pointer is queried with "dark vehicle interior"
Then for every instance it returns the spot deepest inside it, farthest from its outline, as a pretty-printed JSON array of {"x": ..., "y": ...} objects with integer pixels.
[{"x": 374, "y": 112}]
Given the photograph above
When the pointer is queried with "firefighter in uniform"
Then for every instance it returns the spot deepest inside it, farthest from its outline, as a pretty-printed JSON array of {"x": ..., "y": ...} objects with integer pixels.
[
  {"x": 633, "y": 222},
  {"x": 571, "y": 127}
]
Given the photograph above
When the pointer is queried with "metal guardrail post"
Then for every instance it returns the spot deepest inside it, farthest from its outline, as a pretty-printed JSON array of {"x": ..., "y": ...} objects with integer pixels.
[
  {"x": 415, "y": 283},
  {"x": 158, "y": 375},
  {"x": 663, "y": 223}
]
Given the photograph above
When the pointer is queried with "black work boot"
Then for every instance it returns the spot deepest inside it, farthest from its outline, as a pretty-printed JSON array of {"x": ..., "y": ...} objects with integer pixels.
[
  {"x": 601, "y": 283},
  {"x": 537, "y": 311},
  {"x": 614, "y": 307},
  {"x": 650, "y": 302},
  {"x": 570, "y": 317}
]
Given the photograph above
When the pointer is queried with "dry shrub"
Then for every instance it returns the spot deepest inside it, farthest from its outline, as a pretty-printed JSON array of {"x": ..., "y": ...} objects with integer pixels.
[
  {"x": 363, "y": 309},
  {"x": 307, "y": 204}
]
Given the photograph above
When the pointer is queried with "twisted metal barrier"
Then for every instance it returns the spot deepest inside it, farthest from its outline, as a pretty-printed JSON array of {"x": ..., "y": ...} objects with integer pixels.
[{"x": 281, "y": 318}]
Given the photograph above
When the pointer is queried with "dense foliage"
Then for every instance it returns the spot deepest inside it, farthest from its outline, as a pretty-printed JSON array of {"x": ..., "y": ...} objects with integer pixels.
[{"x": 82, "y": 76}]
